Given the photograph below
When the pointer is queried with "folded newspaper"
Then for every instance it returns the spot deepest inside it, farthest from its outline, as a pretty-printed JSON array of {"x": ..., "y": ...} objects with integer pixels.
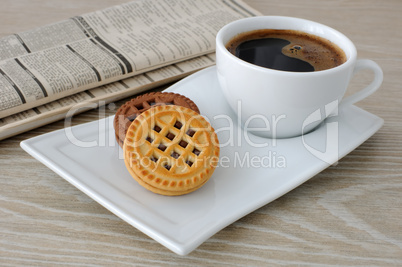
[{"x": 104, "y": 56}]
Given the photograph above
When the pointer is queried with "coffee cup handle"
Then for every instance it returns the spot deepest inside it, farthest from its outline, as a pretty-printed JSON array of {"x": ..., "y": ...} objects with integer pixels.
[{"x": 362, "y": 64}]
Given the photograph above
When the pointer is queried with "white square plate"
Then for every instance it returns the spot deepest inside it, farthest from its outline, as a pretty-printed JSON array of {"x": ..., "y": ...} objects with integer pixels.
[{"x": 247, "y": 178}]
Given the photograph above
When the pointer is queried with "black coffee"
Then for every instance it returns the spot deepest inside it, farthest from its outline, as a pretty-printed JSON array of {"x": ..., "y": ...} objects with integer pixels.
[{"x": 286, "y": 50}]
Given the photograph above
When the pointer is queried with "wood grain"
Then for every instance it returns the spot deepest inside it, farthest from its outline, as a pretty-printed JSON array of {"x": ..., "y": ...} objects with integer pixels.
[{"x": 348, "y": 215}]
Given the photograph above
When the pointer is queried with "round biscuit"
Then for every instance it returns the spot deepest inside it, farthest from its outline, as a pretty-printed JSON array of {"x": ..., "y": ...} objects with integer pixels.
[
  {"x": 131, "y": 109},
  {"x": 171, "y": 150}
]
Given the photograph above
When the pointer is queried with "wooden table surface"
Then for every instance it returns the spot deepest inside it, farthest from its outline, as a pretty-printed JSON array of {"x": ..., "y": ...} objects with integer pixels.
[{"x": 350, "y": 214}]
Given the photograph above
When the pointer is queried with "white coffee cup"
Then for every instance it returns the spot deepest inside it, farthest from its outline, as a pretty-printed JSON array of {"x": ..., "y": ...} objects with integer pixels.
[{"x": 279, "y": 104}]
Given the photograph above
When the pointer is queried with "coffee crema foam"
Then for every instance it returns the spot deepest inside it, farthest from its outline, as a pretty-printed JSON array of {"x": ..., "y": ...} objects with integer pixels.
[{"x": 318, "y": 52}]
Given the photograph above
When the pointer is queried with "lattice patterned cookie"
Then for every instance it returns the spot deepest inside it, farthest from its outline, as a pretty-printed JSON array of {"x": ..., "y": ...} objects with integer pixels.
[
  {"x": 171, "y": 150},
  {"x": 131, "y": 109}
]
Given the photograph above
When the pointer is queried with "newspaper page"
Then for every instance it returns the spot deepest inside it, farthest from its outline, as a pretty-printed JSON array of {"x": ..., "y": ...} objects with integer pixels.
[
  {"x": 92, "y": 98},
  {"x": 46, "y": 71}
]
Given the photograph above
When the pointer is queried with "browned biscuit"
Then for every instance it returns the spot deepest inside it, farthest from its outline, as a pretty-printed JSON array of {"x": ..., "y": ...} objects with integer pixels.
[
  {"x": 131, "y": 109},
  {"x": 171, "y": 150}
]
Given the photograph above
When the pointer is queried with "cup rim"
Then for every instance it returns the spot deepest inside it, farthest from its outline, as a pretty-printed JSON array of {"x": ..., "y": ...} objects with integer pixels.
[{"x": 221, "y": 46}]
